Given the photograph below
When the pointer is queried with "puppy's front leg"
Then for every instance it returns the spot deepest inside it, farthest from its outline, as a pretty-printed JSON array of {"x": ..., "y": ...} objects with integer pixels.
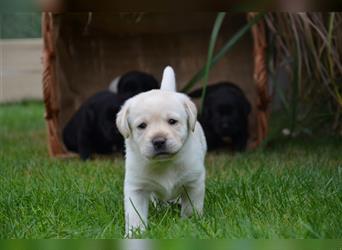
[
  {"x": 193, "y": 198},
  {"x": 136, "y": 209}
]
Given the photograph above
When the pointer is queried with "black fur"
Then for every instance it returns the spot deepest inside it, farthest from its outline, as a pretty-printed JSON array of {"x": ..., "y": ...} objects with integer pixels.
[
  {"x": 92, "y": 128},
  {"x": 135, "y": 82},
  {"x": 225, "y": 114}
]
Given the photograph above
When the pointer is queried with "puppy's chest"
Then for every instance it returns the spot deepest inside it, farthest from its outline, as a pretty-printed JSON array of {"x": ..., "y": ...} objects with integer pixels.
[{"x": 168, "y": 185}]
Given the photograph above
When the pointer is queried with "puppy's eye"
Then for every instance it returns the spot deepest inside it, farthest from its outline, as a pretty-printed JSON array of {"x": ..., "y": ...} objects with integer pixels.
[
  {"x": 172, "y": 121},
  {"x": 142, "y": 125}
]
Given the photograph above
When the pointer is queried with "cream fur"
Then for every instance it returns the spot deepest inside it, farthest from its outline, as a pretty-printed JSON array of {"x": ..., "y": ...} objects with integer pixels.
[{"x": 179, "y": 173}]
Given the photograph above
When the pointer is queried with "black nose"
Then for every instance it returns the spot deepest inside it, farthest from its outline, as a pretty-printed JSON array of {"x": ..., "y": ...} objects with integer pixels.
[{"x": 158, "y": 143}]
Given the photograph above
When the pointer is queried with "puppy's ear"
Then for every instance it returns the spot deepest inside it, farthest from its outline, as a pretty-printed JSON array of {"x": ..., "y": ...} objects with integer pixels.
[
  {"x": 191, "y": 110},
  {"x": 122, "y": 121}
]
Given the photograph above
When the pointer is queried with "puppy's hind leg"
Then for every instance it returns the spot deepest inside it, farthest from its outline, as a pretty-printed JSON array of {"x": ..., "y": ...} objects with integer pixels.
[
  {"x": 84, "y": 141},
  {"x": 84, "y": 146},
  {"x": 192, "y": 198},
  {"x": 240, "y": 142}
]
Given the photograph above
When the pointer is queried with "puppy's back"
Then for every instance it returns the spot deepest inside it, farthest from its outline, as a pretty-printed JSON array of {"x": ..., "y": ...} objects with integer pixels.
[{"x": 218, "y": 87}]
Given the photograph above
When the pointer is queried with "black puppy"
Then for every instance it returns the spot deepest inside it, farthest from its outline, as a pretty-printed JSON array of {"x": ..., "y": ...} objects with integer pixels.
[
  {"x": 92, "y": 128},
  {"x": 225, "y": 114},
  {"x": 133, "y": 83}
]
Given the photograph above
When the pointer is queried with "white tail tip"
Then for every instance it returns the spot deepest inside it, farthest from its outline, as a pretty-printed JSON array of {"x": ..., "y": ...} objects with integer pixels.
[{"x": 168, "y": 82}]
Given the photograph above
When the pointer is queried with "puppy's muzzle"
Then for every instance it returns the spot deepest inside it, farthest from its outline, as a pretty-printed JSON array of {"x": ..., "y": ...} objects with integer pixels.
[
  {"x": 159, "y": 143},
  {"x": 160, "y": 147}
]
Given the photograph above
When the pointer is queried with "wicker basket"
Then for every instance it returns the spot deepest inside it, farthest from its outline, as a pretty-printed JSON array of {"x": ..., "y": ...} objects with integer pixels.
[{"x": 84, "y": 52}]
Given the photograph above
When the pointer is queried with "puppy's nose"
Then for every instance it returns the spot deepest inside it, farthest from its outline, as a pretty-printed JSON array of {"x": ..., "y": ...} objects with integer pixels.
[{"x": 158, "y": 142}]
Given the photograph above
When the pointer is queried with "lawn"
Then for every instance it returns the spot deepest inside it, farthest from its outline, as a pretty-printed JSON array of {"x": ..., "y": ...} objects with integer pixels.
[{"x": 290, "y": 190}]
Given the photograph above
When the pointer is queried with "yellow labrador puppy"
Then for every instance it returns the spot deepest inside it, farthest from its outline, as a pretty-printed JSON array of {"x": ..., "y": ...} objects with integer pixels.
[{"x": 165, "y": 151}]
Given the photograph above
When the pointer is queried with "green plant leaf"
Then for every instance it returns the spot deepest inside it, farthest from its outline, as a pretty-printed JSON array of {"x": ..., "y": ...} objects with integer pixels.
[
  {"x": 228, "y": 46},
  {"x": 213, "y": 38}
]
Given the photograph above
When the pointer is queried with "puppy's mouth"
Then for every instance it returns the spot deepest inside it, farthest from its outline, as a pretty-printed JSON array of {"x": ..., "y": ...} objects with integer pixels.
[{"x": 163, "y": 155}]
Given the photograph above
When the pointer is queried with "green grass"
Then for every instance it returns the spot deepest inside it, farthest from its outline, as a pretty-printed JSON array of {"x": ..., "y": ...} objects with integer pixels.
[{"x": 290, "y": 190}]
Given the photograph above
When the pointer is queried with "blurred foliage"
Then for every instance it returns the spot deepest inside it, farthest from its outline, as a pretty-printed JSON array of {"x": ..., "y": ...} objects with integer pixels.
[
  {"x": 19, "y": 19},
  {"x": 16, "y": 6},
  {"x": 20, "y": 25},
  {"x": 308, "y": 46}
]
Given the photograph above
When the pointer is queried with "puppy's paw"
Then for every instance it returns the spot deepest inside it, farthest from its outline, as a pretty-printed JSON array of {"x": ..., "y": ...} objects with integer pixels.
[
  {"x": 85, "y": 157},
  {"x": 134, "y": 232}
]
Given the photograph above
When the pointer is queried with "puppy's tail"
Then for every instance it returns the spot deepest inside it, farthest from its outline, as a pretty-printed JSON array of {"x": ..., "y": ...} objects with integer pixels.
[
  {"x": 168, "y": 82},
  {"x": 113, "y": 86}
]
